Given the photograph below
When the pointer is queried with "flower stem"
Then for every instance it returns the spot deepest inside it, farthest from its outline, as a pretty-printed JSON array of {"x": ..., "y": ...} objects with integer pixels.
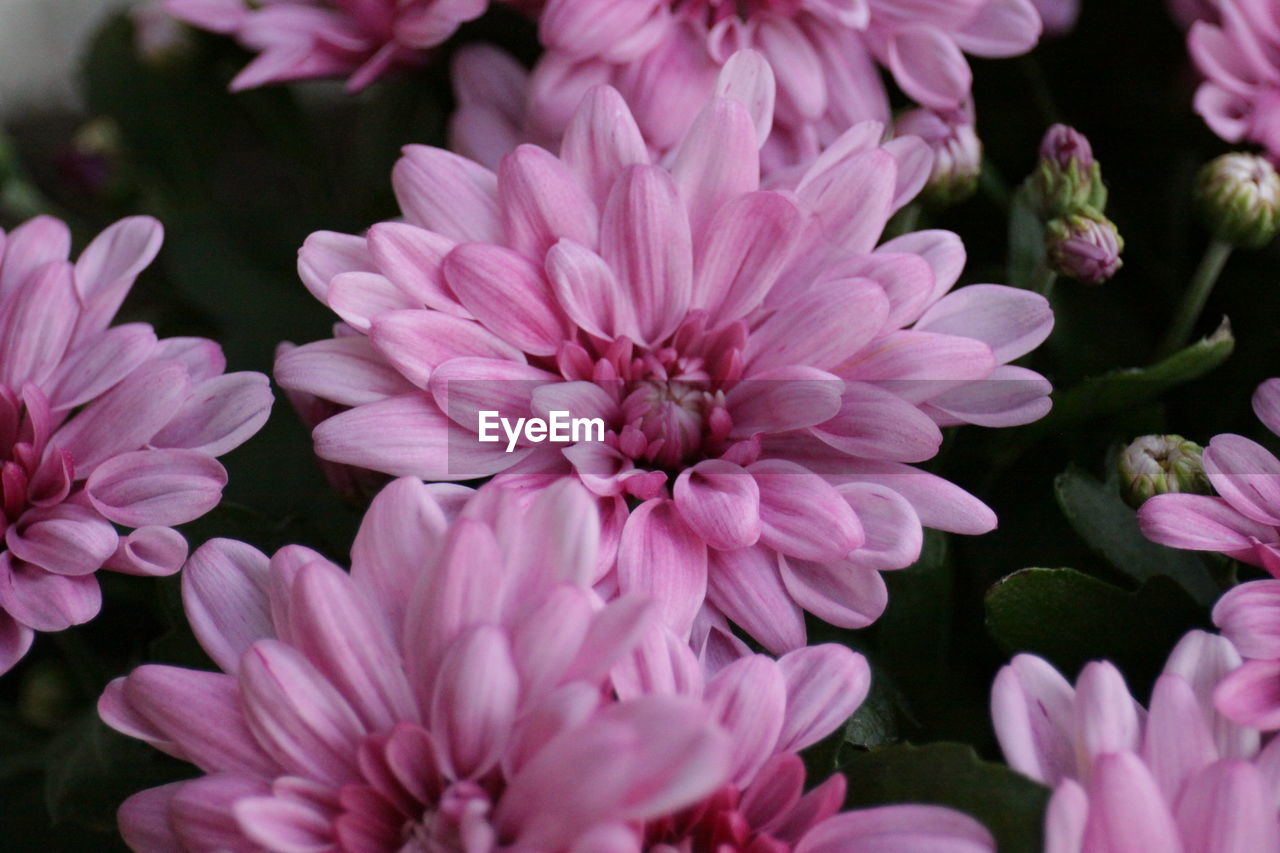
[
  {"x": 1179, "y": 331},
  {"x": 1044, "y": 280}
]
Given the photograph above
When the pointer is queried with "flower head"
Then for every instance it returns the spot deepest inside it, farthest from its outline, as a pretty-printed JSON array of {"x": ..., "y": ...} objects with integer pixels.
[
  {"x": 1161, "y": 465},
  {"x": 957, "y": 153},
  {"x": 1243, "y": 519},
  {"x": 1238, "y": 55},
  {"x": 760, "y": 370},
  {"x": 1178, "y": 776},
  {"x": 464, "y": 689},
  {"x": 99, "y": 426},
  {"x": 663, "y": 56},
  {"x": 1239, "y": 199},
  {"x": 300, "y": 39},
  {"x": 1084, "y": 246}
]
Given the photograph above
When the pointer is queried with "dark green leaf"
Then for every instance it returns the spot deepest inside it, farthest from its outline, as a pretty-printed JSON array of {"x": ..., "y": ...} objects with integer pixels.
[
  {"x": 1070, "y": 618},
  {"x": 1110, "y": 527},
  {"x": 951, "y": 774},
  {"x": 1026, "y": 240}
]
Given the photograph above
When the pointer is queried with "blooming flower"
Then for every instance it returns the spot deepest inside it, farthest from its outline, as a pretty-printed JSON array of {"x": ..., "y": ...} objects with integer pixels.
[
  {"x": 1179, "y": 777},
  {"x": 763, "y": 372},
  {"x": 1243, "y": 520},
  {"x": 300, "y": 39},
  {"x": 454, "y": 691},
  {"x": 663, "y": 56},
  {"x": 1240, "y": 97},
  {"x": 99, "y": 426}
]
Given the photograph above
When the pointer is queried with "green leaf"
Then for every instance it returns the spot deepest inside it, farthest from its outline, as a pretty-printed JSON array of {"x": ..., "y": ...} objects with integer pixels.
[
  {"x": 951, "y": 774},
  {"x": 1132, "y": 387},
  {"x": 1110, "y": 527},
  {"x": 1071, "y": 618}
]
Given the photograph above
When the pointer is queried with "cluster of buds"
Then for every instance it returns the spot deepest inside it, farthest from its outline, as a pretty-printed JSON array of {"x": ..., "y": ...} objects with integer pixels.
[
  {"x": 1160, "y": 465},
  {"x": 1238, "y": 196},
  {"x": 1068, "y": 194},
  {"x": 957, "y": 153}
]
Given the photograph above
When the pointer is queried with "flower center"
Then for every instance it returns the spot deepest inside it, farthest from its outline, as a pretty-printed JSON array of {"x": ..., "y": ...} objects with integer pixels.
[
  {"x": 717, "y": 10},
  {"x": 459, "y": 823}
]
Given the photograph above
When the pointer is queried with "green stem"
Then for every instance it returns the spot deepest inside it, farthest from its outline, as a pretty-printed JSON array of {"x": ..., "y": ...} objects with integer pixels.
[
  {"x": 1040, "y": 90},
  {"x": 1044, "y": 280},
  {"x": 1179, "y": 332}
]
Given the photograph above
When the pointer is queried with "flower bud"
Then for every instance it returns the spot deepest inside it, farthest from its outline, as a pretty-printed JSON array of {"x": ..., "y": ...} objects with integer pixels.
[
  {"x": 957, "y": 154},
  {"x": 1239, "y": 199},
  {"x": 1068, "y": 178},
  {"x": 1084, "y": 246},
  {"x": 1161, "y": 465},
  {"x": 91, "y": 164}
]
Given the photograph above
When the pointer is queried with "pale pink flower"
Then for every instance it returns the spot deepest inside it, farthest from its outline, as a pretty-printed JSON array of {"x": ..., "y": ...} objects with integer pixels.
[
  {"x": 663, "y": 56},
  {"x": 764, "y": 372},
  {"x": 1243, "y": 519},
  {"x": 456, "y": 691},
  {"x": 1239, "y": 55},
  {"x": 1178, "y": 777},
  {"x": 300, "y": 39},
  {"x": 99, "y": 426}
]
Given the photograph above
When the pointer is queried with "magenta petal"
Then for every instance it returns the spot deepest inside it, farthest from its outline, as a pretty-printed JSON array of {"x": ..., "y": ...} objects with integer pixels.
[
  {"x": 15, "y": 640},
  {"x": 899, "y": 829},
  {"x": 509, "y": 294},
  {"x": 1249, "y": 616},
  {"x": 1126, "y": 810},
  {"x": 45, "y": 601},
  {"x": 1011, "y": 321},
  {"x": 802, "y": 515},
  {"x": 720, "y": 501},
  {"x": 347, "y": 371},
  {"x": 590, "y": 293},
  {"x": 474, "y": 703},
  {"x": 1106, "y": 715},
  {"x": 929, "y": 67},
  {"x": 202, "y": 810},
  {"x": 66, "y": 539},
  {"x": 716, "y": 162},
  {"x": 91, "y": 369},
  {"x": 821, "y": 327},
  {"x": 783, "y": 399},
  {"x": 1199, "y": 523},
  {"x": 156, "y": 487},
  {"x": 749, "y": 699},
  {"x": 448, "y": 194},
  {"x": 327, "y": 254},
  {"x": 144, "y": 818},
  {"x": 661, "y": 557},
  {"x": 36, "y": 322},
  {"x": 836, "y": 591},
  {"x": 1247, "y": 475},
  {"x": 277, "y": 823},
  {"x": 749, "y": 240},
  {"x": 296, "y": 714},
  {"x": 542, "y": 202},
  {"x": 744, "y": 584},
  {"x": 1266, "y": 404},
  {"x": 224, "y": 594},
  {"x": 877, "y": 424},
  {"x": 417, "y": 342},
  {"x": 825, "y": 685},
  {"x": 601, "y": 141},
  {"x": 411, "y": 258},
  {"x": 1178, "y": 741},
  {"x": 30, "y": 246},
  {"x": 1228, "y": 807},
  {"x": 108, "y": 267},
  {"x": 645, "y": 239},
  {"x": 409, "y": 436},
  {"x": 1031, "y": 710},
  {"x": 1250, "y": 695}
]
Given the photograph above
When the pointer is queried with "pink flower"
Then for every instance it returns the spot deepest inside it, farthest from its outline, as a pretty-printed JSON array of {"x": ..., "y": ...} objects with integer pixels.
[
  {"x": 764, "y": 373},
  {"x": 1059, "y": 16},
  {"x": 300, "y": 39},
  {"x": 1179, "y": 777},
  {"x": 99, "y": 427},
  {"x": 1240, "y": 59},
  {"x": 1243, "y": 521},
  {"x": 455, "y": 691},
  {"x": 663, "y": 56}
]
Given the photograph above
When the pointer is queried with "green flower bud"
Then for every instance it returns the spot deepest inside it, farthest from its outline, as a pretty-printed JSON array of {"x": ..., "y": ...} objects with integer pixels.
[
  {"x": 1161, "y": 465},
  {"x": 1239, "y": 199},
  {"x": 1067, "y": 178}
]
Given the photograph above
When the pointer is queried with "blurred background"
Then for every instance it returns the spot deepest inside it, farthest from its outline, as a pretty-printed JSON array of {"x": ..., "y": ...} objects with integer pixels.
[{"x": 106, "y": 113}]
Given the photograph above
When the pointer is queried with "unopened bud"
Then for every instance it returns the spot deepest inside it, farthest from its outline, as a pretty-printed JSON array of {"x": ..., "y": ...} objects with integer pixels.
[
  {"x": 1239, "y": 199},
  {"x": 957, "y": 154},
  {"x": 91, "y": 164},
  {"x": 1084, "y": 246},
  {"x": 1068, "y": 178},
  {"x": 1161, "y": 465}
]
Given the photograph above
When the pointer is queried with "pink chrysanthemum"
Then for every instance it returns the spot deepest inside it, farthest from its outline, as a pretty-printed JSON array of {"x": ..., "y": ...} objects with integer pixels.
[
  {"x": 1239, "y": 55},
  {"x": 764, "y": 372},
  {"x": 1243, "y": 520},
  {"x": 454, "y": 692},
  {"x": 1179, "y": 778},
  {"x": 663, "y": 56},
  {"x": 299, "y": 39},
  {"x": 99, "y": 427}
]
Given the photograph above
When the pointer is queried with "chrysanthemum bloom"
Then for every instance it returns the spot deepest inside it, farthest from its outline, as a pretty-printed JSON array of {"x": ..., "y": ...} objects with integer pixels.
[
  {"x": 99, "y": 427},
  {"x": 1179, "y": 777},
  {"x": 763, "y": 372},
  {"x": 1243, "y": 519},
  {"x": 454, "y": 693},
  {"x": 1239, "y": 55},
  {"x": 300, "y": 39},
  {"x": 663, "y": 56}
]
